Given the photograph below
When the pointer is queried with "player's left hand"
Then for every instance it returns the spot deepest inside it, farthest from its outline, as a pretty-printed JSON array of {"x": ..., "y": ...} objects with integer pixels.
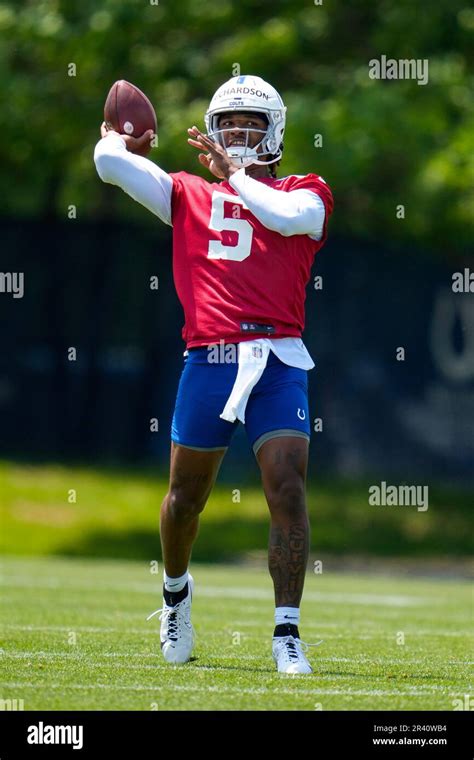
[{"x": 216, "y": 158}]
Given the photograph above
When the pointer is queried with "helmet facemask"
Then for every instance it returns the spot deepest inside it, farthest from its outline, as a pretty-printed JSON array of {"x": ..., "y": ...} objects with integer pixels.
[
  {"x": 241, "y": 155},
  {"x": 245, "y": 155}
]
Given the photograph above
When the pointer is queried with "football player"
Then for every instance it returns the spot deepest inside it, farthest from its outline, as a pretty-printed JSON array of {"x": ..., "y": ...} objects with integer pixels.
[{"x": 243, "y": 246}]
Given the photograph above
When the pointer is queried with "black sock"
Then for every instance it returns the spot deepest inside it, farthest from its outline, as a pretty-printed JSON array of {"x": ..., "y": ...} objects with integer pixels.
[
  {"x": 287, "y": 629},
  {"x": 173, "y": 597}
]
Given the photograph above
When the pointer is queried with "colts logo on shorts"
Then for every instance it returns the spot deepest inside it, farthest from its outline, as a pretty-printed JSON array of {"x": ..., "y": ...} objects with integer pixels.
[{"x": 301, "y": 416}]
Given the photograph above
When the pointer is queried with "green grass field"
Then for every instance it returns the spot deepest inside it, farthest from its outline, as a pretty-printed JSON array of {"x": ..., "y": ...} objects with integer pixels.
[{"x": 75, "y": 638}]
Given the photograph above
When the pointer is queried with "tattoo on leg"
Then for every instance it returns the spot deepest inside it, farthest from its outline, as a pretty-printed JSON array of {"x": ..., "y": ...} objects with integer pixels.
[
  {"x": 287, "y": 560},
  {"x": 182, "y": 478},
  {"x": 292, "y": 456}
]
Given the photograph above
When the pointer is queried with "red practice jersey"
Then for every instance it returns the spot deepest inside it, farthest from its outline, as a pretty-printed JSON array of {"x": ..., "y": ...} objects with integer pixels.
[{"x": 232, "y": 274}]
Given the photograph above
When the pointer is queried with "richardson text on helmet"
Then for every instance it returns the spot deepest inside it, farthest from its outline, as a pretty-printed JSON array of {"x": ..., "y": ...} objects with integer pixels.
[{"x": 243, "y": 91}]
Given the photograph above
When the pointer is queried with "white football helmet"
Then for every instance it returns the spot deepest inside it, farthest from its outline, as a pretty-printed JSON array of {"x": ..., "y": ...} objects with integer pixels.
[{"x": 249, "y": 94}]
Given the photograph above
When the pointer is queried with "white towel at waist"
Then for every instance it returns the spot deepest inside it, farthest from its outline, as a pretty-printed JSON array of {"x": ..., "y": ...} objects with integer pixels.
[{"x": 252, "y": 357}]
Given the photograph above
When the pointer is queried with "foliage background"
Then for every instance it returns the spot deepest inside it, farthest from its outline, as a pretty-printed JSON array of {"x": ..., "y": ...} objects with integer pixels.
[{"x": 384, "y": 142}]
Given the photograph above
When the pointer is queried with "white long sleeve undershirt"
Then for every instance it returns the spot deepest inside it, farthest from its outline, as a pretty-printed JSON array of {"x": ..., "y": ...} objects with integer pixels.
[
  {"x": 297, "y": 212},
  {"x": 140, "y": 178}
]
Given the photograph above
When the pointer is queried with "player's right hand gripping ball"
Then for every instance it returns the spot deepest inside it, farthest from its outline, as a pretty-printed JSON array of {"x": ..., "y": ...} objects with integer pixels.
[{"x": 128, "y": 111}]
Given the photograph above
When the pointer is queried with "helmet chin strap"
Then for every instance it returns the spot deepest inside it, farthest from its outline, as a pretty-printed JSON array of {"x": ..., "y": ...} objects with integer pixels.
[
  {"x": 249, "y": 160},
  {"x": 241, "y": 155}
]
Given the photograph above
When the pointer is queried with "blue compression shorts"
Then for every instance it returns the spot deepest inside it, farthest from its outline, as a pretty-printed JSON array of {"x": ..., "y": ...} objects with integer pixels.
[{"x": 277, "y": 405}]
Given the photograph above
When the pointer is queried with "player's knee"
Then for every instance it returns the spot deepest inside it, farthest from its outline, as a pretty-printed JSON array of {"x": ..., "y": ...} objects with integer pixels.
[
  {"x": 184, "y": 506},
  {"x": 288, "y": 497}
]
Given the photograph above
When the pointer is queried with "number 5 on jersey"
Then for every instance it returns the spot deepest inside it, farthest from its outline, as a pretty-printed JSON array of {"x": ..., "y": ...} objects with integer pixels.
[{"x": 220, "y": 223}]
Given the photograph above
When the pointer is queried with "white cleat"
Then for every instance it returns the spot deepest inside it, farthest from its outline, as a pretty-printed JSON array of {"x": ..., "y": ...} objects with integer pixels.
[
  {"x": 176, "y": 632},
  {"x": 289, "y": 655}
]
